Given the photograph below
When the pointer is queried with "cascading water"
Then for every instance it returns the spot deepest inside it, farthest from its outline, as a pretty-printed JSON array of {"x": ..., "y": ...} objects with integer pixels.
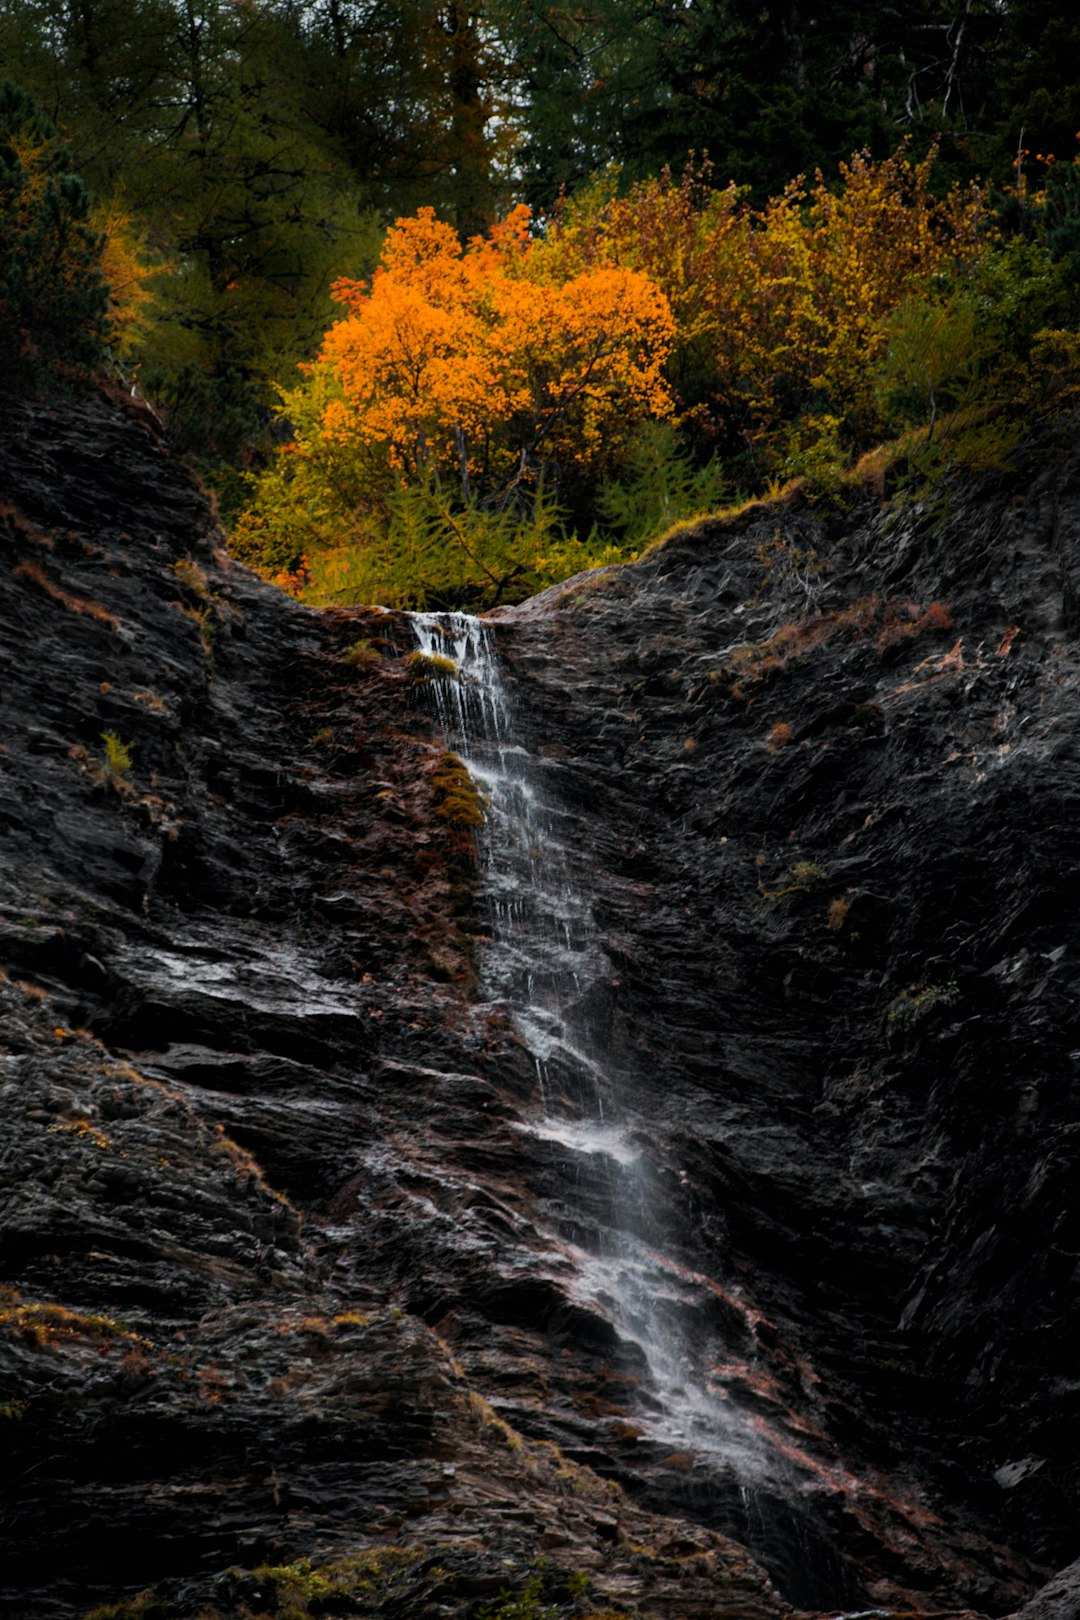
[
  {"x": 546, "y": 968},
  {"x": 546, "y": 956}
]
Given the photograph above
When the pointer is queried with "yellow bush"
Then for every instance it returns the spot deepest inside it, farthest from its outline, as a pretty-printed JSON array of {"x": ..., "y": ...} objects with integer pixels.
[{"x": 781, "y": 312}]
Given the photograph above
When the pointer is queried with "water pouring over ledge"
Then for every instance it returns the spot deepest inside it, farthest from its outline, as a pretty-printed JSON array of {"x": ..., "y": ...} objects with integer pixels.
[{"x": 546, "y": 968}]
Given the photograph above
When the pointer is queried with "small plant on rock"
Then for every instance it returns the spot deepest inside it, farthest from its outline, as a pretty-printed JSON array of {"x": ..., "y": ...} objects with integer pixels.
[
  {"x": 353, "y": 1585},
  {"x": 836, "y": 915},
  {"x": 917, "y": 1001},
  {"x": 118, "y": 760},
  {"x": 800, "y": 877},
  {"x": 144, "y": 1606},
  {"x": 192, "y": 577},
  {"x": 527, "y": 1604}
]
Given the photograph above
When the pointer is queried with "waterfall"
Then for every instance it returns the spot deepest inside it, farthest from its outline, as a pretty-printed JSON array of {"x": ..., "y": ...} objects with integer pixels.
[
  {"x": 546, "y": 958},
  {"x": 545, "y": 968}
]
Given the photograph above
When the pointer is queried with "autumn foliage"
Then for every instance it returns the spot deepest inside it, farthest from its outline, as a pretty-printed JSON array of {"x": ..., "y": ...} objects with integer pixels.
[
  {"x": 467, "y": 363},
  {"x": 481, "y": 412},
  {"x": 130, "y": 274},
  {"x": 782, "y": 312},
  {"x": 466, "y": 395}
]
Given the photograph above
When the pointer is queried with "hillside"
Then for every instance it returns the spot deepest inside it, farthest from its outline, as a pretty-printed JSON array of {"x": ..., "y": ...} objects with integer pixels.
[{"x": 295, "y": 1266}]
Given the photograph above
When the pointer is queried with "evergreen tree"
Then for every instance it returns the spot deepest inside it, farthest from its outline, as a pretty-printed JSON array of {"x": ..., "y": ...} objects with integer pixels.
[
  {"x": 53, "y": 297},
  {"x": 100, "y": 71},
  {"x": 768, "y": 88},
  {"x": 192, "y": 115},
  {"x": 1040, "y": 72},
  {"x": 414, "y": 93},
  {"x": 258, "y": 215}
]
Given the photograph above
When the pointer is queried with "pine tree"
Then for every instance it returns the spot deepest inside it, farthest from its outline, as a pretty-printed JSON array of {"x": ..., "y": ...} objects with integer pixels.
[{"x": 53, "y": 297}]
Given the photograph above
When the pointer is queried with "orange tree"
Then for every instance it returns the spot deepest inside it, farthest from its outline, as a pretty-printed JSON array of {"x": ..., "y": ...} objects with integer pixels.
[
  {"x": 465, "y": 363},
  {"x": 467, "y": 387},
  {"x": 464, "y": 390}
]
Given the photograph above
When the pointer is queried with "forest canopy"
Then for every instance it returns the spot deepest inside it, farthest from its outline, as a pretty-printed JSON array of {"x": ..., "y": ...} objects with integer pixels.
[{"x": 448, "y": 300}]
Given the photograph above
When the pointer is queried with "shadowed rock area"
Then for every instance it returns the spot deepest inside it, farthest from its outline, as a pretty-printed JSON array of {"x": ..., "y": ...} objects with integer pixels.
[{"x": 295, "y": 1267}]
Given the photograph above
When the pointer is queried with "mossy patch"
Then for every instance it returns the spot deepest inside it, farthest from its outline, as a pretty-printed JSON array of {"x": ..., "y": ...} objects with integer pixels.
[
  {"x": 302, "y": 1589},
  {"x": 362, "y": 654},
  {"x": 47, "y": 1324},
  {"x": 422, "y": 666},
  {"x": 143, "y": 1606},
  {"x": 460, "y": 801}
]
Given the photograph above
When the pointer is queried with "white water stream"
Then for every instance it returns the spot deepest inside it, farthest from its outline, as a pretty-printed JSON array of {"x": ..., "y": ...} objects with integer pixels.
[{"x": 545, "y": 966}]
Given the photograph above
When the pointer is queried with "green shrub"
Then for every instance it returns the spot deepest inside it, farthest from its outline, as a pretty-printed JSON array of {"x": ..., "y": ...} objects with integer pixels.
[
  {"x": 932, "y": 358},
  {"x": 404, "y": 545}
]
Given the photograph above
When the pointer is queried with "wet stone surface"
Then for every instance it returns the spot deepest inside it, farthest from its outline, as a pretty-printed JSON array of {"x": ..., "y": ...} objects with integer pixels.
[{"x": 727, "y": 1193}]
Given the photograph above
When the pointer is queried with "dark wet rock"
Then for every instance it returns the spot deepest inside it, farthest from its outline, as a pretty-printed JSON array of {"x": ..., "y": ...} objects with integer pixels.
[
  {"x": 291, "y": 1272},
  {"x": 242, "y": 1088},
  {"x": 841, "y": 825},
  {"x": 1059, "y": 1599}
]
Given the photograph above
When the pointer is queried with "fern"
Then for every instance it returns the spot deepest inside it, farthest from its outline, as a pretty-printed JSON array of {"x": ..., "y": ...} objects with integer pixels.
[
  {"x": 660, "y": 486},
  {"x": 432, "y": 552}
]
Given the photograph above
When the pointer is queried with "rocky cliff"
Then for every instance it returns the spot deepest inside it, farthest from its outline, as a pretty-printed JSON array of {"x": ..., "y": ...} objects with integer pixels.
[{"x": 297, "y": 1303}]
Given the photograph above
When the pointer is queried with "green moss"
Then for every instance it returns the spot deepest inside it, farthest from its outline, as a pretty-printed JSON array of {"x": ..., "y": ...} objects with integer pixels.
[
  {"x": 301, "y": 1590},
  {"x": 424, "y": 666},
  {"x": 387, "y": 1579},
  {"x": 548, "y": 1594},
  {"x": 461, "y": 802},
  {"x": 361, "y": 654}
]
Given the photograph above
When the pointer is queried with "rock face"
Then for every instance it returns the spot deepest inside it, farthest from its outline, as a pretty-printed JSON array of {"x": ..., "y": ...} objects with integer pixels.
[{"x": 294, "y": 1268}]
